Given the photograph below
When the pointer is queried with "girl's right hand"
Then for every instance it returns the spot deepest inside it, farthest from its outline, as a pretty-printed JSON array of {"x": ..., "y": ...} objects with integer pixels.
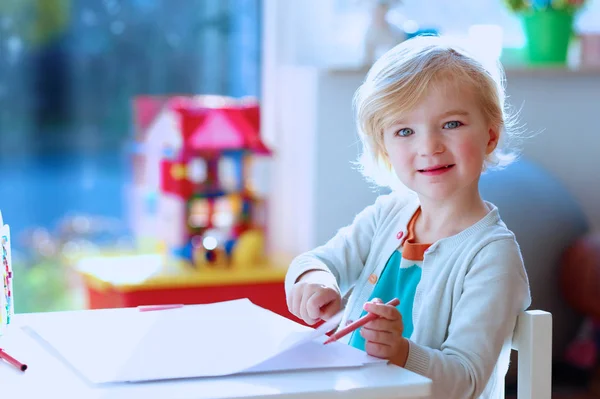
[{"x": 312, "y": 299}]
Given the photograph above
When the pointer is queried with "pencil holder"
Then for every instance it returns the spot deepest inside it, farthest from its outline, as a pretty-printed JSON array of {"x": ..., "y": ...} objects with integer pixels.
[
  {"x": 6, "y": 275},
  {"x": 549, "y": 34}
]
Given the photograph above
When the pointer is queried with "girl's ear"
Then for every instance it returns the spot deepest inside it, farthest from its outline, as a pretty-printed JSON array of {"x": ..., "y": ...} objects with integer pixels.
[{"x": 492, "y": 141}]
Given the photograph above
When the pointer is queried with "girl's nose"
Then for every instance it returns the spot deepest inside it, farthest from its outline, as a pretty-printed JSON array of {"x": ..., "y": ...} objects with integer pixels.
[{"x": 430, "y": 144}]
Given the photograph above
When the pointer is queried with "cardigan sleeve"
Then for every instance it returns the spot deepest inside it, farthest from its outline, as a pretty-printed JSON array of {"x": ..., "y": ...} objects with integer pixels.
[
  {"x": 345, "y": 254},
  {"x": 495, "y": 291}
]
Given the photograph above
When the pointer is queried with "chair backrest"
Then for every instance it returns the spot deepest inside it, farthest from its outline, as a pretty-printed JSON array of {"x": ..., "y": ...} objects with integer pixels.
[{"x": 533, "y": 341}]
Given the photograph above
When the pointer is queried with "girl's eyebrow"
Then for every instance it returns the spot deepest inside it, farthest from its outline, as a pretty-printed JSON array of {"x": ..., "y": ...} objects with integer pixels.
[
  {"x": 455, "y": 112},
  {"x": 397, "y": 122},
  {"x": 452, "y": 112}
]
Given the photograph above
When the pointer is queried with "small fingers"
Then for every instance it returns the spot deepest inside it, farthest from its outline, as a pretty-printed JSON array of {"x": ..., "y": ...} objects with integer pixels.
[
  {"x": 312, "y": 302},
  {"x": 304, "y": 309},
  {"x": 381, "y": 351},
  {"x": 382, "y": 310},
  {"x": 319, "y": 303},
  {"x": 313, "y": 305},
  {"x": 331, "y": 309},
  {"x": 377, "y": 336},
  {"x": 323, "y": 296},
  {"x": 381, "y": 324}
]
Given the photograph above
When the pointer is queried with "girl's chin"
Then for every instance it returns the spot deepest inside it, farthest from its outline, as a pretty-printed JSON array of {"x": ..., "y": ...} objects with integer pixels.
[{"x": 440, "y": 194}]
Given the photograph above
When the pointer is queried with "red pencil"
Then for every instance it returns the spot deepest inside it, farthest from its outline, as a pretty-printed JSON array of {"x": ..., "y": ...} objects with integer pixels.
[
  {"x": 357, "y": 324},
  {"x": 12, "y": 361}
]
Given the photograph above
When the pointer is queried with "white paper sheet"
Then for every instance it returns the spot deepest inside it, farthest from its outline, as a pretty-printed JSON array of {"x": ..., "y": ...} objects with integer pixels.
[{"x": 120, "y": 345}]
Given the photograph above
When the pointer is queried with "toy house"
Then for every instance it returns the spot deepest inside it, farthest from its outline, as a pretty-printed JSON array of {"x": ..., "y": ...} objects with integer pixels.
[{"x": 192, "y": 182}]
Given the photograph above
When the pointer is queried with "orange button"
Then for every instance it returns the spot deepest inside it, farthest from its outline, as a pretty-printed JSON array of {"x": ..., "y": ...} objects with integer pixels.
[{"x": 372, "y": 279}]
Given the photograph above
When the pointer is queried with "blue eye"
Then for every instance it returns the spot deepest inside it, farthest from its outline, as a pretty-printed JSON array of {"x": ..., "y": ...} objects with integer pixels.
[
  {"x": 452, "y": 125},
  {"x": 405, "y": 132}
]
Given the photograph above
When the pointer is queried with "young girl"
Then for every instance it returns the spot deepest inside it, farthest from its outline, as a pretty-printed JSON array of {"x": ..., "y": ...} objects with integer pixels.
[{"x": 430, "y": 117}]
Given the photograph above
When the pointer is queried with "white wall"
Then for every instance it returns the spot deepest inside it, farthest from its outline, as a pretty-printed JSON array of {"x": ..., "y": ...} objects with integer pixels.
[
  {"x": 322, "y": 192},
  {"x": 563, "y": 111}
]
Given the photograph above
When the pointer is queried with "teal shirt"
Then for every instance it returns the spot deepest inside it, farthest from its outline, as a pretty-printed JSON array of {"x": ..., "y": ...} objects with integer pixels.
[{"x": 399, "y": 279}]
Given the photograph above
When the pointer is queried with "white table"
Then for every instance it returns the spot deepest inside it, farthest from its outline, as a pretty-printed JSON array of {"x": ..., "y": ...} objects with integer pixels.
[{"x": 48, "y": 377}]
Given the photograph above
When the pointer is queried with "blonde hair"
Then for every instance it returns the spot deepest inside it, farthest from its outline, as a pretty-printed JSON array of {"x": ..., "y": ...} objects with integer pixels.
[{"x": 400, "y": 79}]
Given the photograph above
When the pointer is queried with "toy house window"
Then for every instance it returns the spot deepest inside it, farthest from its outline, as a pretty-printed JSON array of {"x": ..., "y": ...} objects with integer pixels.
[
  {"x": 197, "y": 170},
  {"x": 198, "y": 213},
  {"x": 223, "y": 216},
  {"x": 229, "y": 176}
]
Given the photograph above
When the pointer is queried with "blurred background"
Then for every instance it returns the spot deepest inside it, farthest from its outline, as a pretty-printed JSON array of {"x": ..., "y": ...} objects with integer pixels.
[
  {"x": 71, "y": 136},
  {"x": 69, "y": 71}
]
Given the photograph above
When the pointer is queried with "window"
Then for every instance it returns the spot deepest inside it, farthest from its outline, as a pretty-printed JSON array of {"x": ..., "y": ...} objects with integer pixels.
[{"x": 69, "y": 70}]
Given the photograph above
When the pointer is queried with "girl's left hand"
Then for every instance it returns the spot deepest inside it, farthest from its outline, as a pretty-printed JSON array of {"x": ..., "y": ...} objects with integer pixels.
[{"x": 383, "y": 335}]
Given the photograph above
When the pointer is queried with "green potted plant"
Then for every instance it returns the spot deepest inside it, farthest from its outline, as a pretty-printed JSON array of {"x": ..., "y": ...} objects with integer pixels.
[{"x": 548, "y": 27}]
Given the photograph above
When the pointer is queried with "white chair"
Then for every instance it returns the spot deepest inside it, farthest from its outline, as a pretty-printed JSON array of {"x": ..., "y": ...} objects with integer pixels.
[{"x": 533, "y": 341}]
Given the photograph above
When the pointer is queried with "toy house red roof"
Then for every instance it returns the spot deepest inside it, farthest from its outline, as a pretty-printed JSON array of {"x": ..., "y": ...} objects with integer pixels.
[{"x": 231, "y": 127}]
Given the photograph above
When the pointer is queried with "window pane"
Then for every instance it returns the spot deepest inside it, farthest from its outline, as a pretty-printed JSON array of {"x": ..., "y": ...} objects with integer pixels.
[{"x": 69, "y": 70}]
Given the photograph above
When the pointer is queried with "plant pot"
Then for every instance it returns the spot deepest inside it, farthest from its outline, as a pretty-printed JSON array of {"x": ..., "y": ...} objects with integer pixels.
[{"x": 548, "y": 34}]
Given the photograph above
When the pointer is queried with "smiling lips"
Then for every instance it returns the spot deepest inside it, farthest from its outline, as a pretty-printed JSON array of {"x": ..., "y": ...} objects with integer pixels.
[{"x": 436, "y": 170}]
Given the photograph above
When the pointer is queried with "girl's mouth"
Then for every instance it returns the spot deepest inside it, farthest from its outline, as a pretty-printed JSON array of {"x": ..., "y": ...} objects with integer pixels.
[{"x": 436, "y": 170}]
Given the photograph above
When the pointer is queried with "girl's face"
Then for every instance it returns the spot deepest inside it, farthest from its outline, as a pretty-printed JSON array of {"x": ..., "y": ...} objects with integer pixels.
[{"x": 438, "y": 148}]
